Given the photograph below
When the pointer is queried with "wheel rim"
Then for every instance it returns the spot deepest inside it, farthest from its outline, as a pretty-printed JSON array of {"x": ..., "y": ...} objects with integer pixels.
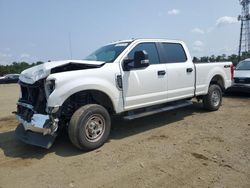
[
  {"x": 215, "y": 98},
  {"x": 95, "y": 128}
]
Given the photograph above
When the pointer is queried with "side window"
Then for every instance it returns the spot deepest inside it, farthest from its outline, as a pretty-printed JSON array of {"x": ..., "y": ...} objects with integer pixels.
[
  {"x": 150, "y": 48},
  {"x": 173, "y": 53}
]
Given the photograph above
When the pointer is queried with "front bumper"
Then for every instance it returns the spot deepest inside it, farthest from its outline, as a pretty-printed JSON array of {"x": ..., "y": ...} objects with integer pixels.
[
  {"x": 39, "y": 123},
  {"x": 37, "y": 139},
  {"x": 40, "y": 131}
]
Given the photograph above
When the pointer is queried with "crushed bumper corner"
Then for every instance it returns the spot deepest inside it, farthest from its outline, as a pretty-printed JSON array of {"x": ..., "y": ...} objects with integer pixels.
[{"x": 32, "y": 138}]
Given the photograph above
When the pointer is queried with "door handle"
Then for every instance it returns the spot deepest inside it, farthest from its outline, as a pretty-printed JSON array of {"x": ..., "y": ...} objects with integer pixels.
[
  {"x": 161, "y": 73},
  {"x": 189, "y": 69}
]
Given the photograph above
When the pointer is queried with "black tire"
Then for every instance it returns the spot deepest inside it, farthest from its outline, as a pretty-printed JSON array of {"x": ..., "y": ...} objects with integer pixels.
[
  {"x": 86, "y": 123},
  {"x": 212, "y": 101}
]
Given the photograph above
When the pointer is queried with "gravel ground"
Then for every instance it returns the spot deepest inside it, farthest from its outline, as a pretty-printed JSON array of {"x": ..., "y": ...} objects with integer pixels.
[{"x": 188, "y": 147}]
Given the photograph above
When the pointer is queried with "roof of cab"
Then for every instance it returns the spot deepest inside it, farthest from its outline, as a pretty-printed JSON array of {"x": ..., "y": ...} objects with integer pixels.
[{"x": 147, "y": 40}]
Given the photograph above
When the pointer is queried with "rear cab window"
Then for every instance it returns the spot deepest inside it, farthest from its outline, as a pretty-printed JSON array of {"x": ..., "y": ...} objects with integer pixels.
[{"x": 172, "y": 53}]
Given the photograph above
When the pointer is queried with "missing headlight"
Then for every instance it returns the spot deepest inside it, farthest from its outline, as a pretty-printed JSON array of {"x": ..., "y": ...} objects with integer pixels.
[{"x": 50, "y": 87}]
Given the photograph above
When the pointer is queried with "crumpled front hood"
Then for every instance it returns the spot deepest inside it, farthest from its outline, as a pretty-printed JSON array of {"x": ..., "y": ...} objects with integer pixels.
[{"x": 38, "y": 72}]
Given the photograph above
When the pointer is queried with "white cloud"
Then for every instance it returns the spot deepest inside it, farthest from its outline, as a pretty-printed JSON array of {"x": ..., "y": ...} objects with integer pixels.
[
  {"x": 25, "y": 56},
  {"x": 7, "y": 49},
  {"x": 5, "y": 55},
  {"x": 197, "y": 30},
  {"x": 174, "y": 12},
  {"x": 160, "y": 14},
  {"x": 32, "y": 44},
  {"x": 227, "y": 50},
  {"x": 210, "y": 29},
  {"x": 5, "y": 58},
  {"x": 226, "y": 20},
  {"x": 198, "y": 43},
  {"x": 198, "y": 46}
]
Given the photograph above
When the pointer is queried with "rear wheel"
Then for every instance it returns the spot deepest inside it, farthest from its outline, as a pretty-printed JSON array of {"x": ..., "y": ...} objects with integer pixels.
[
  {"x": 212, "y": 101},
  {"x": 89, "y": 127}
]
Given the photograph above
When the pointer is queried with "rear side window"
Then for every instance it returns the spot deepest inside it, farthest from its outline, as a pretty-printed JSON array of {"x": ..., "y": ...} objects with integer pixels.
[
  {"x": 150, "y": 48},
  {"x": 172, "y": 53}
]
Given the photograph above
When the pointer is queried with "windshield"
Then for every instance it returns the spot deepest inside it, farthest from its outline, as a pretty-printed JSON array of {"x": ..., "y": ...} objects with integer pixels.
[
  {"x": 108, "y": 53},
  {"x": 244, "y": 65}
]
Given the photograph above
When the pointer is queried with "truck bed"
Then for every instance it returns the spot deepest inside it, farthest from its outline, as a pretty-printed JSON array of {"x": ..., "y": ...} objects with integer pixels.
[{"x": 221, "y": 69}]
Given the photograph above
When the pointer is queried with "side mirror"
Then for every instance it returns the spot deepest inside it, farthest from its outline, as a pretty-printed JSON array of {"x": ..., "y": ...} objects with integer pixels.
[{"x": 141, "y": 59}]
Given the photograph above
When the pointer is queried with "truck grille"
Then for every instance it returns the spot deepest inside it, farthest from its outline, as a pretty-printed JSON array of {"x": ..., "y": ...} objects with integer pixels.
[
  {"x": 32, "y": 100},
  {"x": 242, "y": 80}
]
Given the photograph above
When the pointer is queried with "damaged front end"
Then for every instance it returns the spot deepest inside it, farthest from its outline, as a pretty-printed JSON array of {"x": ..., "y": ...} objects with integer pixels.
[
  {"x": 39, "y": 121},
  {"x": 38, "y": 124}
]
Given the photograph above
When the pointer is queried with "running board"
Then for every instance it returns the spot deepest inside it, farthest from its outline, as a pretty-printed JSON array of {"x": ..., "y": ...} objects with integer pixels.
[{"x": 171, "y": 106}]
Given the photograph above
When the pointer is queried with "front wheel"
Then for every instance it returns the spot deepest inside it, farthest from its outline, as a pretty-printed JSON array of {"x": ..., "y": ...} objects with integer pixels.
[
  {"x": 212, "y": 101},
  {"x": 89, "y": 127}
]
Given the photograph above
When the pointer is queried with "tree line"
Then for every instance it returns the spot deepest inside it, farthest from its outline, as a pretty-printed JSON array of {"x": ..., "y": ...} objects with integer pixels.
[
  {"x": 233, "y": 58},
  {"x": 18, "y": 67}
]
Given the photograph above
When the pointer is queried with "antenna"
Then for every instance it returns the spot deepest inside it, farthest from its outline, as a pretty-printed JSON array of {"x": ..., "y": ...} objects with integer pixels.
[
  {"x": 70, "y": 47},
  {"x": 244, "y": 45}
]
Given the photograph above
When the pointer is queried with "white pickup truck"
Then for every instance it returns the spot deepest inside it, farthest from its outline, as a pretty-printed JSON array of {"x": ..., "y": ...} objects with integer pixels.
[{"x": 131, "y": 78}]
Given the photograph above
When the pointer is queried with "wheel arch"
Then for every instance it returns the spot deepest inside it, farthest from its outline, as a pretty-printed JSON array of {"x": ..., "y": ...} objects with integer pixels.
[
  {"x": 80, "y": 98},
  {"x": 218, "y": 79}
]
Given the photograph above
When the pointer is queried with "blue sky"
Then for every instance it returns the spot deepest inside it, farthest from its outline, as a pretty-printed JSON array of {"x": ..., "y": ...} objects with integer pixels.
[{"x": 33, "y": 30}]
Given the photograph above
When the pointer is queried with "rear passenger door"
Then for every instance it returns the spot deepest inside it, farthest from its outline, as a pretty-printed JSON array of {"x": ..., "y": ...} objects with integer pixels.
[{"x": 180, "y": 71}]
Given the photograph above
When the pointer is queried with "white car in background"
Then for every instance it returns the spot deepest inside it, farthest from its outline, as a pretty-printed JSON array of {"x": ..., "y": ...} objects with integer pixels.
[
  {"x": 242, "y": 77},
  {"x": 9, "y": 78}
]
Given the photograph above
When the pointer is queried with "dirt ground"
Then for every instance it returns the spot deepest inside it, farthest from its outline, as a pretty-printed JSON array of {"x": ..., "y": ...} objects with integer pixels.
[{"x": 188, "y": 147}]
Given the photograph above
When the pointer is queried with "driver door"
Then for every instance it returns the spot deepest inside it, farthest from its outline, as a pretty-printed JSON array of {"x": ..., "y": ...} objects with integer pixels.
[{"x": 145, "y": 86}]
